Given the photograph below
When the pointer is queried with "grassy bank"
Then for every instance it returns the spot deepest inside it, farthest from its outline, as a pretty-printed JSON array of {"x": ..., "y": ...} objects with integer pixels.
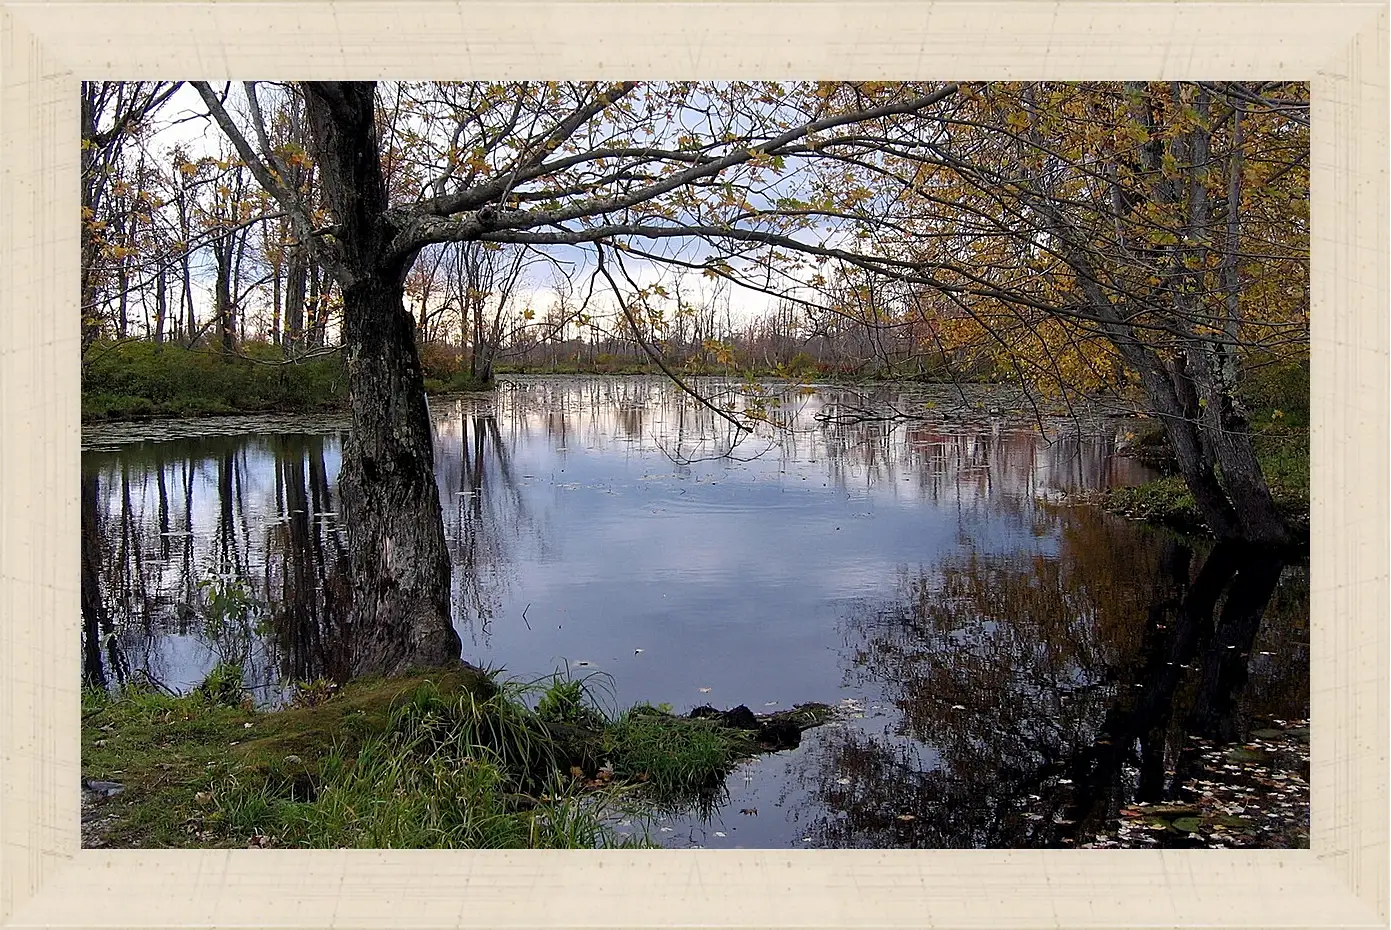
[
  {"x": 451, "y": 758},
  {"x": 134, "y": 380}
]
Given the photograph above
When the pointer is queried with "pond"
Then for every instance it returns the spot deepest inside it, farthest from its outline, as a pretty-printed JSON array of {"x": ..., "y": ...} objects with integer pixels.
[{"x": 1008, "y": 663}]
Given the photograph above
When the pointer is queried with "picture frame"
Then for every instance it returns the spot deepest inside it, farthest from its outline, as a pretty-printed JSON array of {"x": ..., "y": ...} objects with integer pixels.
[{"x": 47, "y": 48}]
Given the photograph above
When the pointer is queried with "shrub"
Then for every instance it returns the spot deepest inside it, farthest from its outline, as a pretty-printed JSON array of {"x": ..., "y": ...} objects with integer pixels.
[
  {"x": 439, "y": 360},
  {"x": 1277, "y": 392},
  {"x": 140, "y": 379},
  {"x": 224, "y": 685}
]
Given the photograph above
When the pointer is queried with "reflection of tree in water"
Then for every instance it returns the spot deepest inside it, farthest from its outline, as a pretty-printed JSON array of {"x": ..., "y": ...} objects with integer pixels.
[
  {"x": 972, "y": 465},
  {"x": 98, "y": 631},
  {"x": 305, "y": 564},
  {"x": 641, "y": 413},
  {"x": 153, "y": 546},
  {"x": 484, "y": 508},
  {"x": 259, "y": 513},
  {"x": 1038, "y": 692},
  {"x": 129, "y": 567}
]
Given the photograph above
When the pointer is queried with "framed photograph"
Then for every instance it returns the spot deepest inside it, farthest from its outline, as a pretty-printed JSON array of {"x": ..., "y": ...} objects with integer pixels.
[{"x": 932, "y": 455}]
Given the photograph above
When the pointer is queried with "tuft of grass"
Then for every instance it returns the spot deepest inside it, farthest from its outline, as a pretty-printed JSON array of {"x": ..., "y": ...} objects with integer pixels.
[
  {"x": 571, "y": 701},
  {"x": 676, "y": 757}
]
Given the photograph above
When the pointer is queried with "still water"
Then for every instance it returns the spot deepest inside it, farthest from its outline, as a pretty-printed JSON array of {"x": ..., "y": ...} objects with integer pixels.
[{"x": 902, "y": 552}]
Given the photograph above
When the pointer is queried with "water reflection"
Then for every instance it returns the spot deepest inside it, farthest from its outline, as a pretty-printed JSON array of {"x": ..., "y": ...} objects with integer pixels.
[
  {"x": 169, "y": 525},
  {"x": 1037, "y": 693},
  {"x": 484, "y": 511},
  {"x": 1024, "y": 666}
]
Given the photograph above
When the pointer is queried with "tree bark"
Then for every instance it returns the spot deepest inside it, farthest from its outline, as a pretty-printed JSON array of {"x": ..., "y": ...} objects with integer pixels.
[
  {"x": 399, "y": 568},
  {"x": 296, "y": 273},
  {"x": 225, "y": 309},
  {"x": 161, "y": 303}
]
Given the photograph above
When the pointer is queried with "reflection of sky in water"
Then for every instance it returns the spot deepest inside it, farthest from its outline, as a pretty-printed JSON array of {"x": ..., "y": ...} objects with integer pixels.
[
  {"x": 589, "y": 519},
  {"x": 729, "y": 574},
  {"x": 605, "y": 511}
]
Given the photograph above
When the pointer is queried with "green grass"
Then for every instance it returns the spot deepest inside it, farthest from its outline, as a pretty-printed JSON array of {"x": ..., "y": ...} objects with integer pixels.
[
  {"x": 676, "y": 757},
  {"x": 141, "y": 379},
  {"x": 458, "y": 771},
  {"x": 451, "y": 758}
]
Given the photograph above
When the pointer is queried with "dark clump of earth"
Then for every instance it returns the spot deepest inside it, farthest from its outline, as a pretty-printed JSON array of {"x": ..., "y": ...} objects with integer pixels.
[{"x": 772, "y": 732}]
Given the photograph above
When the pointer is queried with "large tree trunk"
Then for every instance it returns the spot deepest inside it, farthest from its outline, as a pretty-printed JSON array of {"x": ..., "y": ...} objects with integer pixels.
[
  {"x": 1212, "y": 445},
  {"x": 398, "y": 565},
  {"x": 1206, "y": 429}
]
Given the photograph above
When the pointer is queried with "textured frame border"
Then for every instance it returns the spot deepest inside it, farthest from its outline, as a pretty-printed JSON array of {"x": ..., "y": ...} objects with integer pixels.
[{"x": 46, "y": 47}]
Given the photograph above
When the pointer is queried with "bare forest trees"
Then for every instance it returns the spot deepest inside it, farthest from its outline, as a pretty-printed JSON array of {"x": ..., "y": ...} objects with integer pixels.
[
  {"x": 485, "y": 277},
  {"x": 114, "y": 115}
]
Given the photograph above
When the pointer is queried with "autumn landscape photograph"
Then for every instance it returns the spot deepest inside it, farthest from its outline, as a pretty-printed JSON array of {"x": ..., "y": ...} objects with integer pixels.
[{"x": 727, "y": 464}]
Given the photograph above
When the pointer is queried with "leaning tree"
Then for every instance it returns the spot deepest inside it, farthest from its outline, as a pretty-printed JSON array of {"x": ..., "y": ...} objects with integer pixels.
[{"x": 1156, "y": 230}]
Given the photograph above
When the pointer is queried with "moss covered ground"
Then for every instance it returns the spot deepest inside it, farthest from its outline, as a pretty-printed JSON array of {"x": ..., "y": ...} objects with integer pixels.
[{"x": 447, "y": 758}]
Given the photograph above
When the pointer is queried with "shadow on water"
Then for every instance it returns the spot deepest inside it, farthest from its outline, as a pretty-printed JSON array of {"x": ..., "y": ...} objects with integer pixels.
[
  {"x": 1012, "y": 671},
  {"x": 1037, "y": 697}
]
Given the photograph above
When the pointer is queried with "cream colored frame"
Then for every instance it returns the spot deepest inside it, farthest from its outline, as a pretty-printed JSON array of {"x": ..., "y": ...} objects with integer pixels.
[{"x": 46, "y": 48}]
